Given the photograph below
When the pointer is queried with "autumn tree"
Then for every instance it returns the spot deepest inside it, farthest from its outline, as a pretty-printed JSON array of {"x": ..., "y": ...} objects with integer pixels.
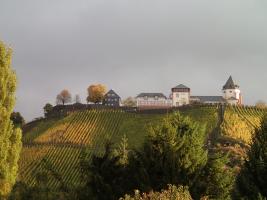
[
  {"x": 64, "y": 97},
  {"x": 10, "y": 137},
  {"x": 96, "y": 93},
  {"x": 129, "y": 102}
]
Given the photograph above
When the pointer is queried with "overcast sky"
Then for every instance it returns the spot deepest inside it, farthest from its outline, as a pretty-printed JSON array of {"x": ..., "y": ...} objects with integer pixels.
[{"x": 134, "y": 46}]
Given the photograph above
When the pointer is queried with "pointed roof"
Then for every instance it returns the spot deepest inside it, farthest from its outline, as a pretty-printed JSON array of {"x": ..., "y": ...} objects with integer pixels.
[
  {"x": 181, "y": 86},
  {"x": 230, "y": 84},
  {"x": 112, "y": 92}
]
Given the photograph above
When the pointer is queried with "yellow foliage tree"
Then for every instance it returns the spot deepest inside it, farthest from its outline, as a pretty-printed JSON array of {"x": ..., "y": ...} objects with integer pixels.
[
  {"x": 10, "y": 136},
  {"x": 96, "y": 93}
]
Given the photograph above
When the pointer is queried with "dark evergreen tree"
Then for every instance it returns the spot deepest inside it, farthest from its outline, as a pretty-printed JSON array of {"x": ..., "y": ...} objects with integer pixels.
[
  {"x": 107, "y": 176},
  {"x": 217, "y": 179},
  {"x": 173, "y": 153},
  {"x": 17, "y": 119},
  {"x": 47, "y": 109},
  {"x": 252, "y": 180}
]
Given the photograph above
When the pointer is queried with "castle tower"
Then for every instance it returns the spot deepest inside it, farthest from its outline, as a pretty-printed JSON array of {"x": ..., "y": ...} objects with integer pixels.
[
  {"x": 232, "y": 93},
  {"x": 180, "y": 95}
]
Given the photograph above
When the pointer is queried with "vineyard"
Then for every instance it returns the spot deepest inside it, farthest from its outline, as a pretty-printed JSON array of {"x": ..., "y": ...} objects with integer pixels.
[
  {"x": 57, "y": 144},
  {"x": 240, "y": 122}
]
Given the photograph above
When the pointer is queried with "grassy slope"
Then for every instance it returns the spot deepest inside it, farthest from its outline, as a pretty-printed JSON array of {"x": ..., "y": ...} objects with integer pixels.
[{"x": 61, "y": 141}]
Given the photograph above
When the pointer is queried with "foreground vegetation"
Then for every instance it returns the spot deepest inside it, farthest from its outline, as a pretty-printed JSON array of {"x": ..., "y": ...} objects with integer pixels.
[
  {"x": 74, "y": 152},
  {"x": 10, "y": 137},
  {"x": 61, "y": 141}
]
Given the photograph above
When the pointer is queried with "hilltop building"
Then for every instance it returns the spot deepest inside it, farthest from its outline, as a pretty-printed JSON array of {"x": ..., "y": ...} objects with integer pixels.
[
  {"x": 181, "y": 95},
  {"x": 111, "y": 98},
  {"x": 153, "y": 100}
]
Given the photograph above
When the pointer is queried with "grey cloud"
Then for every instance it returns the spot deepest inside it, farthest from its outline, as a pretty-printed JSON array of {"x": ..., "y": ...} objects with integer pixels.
[{"x": 134, "y": 46}]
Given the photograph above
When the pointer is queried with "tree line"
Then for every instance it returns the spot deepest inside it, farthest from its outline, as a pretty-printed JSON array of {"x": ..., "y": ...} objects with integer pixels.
[{"x": 95, "y": 94}]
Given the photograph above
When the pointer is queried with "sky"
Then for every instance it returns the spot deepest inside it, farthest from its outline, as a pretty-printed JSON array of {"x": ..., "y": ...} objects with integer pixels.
[{"x": 134, "y": 46}]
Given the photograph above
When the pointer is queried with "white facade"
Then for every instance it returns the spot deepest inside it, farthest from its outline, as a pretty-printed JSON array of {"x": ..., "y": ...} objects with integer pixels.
[
  {"x": 231, "y": 93},
  {"x": 153, "y": 101},
  {"x": 180, "y": 98}
]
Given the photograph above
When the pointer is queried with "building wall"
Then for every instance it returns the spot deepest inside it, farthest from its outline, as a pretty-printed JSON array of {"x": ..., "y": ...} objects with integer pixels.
[
  {"x": 180, "y": 98},
  {"x": 232, "y": 102},
  {"x": 151, "y": 101},
  {"x": 229, "y": 93},
  {"x": 112, "y": 101}
]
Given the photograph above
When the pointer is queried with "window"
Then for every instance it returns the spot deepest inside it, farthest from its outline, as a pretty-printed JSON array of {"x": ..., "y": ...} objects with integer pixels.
[
  {"x": 177, "y": 95},
  {"x": 156, "y": 97},
  {"x": 145, "y": 97}
]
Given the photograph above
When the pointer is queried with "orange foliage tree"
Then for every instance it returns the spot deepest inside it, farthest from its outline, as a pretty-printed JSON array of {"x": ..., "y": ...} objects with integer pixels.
[
  {"x": 64, "y": 97},
  {"x": 96, "y": 93}
]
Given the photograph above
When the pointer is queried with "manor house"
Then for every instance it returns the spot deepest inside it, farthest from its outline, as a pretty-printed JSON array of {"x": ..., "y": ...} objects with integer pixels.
[{"x": 181, "y": 95}]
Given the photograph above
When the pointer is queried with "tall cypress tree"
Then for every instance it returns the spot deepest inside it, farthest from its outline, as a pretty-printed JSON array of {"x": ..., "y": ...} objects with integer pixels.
[
  {"x": 252, "y": 180},
  {"x": 10, "y": 137}
]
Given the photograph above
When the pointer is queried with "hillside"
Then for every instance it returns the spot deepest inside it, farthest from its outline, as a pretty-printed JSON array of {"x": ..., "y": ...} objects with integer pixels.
[{"x": 56, "y": 145}]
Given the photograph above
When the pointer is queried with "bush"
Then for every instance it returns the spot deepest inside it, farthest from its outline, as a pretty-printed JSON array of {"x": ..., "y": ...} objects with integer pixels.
[{"x": 172, "y": 193}]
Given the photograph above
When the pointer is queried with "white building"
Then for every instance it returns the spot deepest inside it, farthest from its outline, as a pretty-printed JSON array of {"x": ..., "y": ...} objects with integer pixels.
[
  {"x": 180, "y": 95},
  {"x": 152, "y": 100},
  {"x": 232, "y": 93}
]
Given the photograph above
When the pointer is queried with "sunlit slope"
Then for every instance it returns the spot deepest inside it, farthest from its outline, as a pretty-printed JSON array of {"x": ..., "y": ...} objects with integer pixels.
[
  {"x": 60, "y": 142},
  {"x": 240, "y": 122}
]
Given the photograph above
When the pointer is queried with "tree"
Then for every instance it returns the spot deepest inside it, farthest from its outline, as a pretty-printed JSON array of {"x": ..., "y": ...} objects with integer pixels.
[
  {"x": 64, "y": 97},
  {"x": 216, "y": 180},
  {"x": 173, "y": 153},
  {"x": 96, "y": 93},
  {"x": 173, "y": 192},
  {"x": 129, "y": 102},
  {"x": 10, "y": 137},
  {"x": 252, "y": 180},
  {"x": 17, "y": 119},
  {"x": 47, "y": 109},
  {"x": 107, "y": 176},
  {"x": 261, "y": 104},
  {"x": 77, "y": 98}
]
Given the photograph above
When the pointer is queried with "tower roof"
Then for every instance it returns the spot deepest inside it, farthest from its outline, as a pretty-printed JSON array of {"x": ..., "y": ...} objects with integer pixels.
[
  {"x": 181, "y": 86},
  {"x": 230, "y": 84}
]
